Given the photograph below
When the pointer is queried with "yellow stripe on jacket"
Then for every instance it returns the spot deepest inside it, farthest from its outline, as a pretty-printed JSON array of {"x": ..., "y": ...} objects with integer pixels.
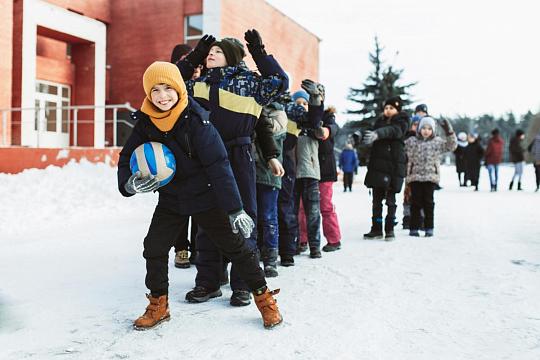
[
  {"x": 228, "y": 100},
  {"x": 292, "y": 128}
]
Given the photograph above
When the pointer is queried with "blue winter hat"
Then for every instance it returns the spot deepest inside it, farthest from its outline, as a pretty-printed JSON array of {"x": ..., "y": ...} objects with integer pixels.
[{"x": 300, "y": 94}]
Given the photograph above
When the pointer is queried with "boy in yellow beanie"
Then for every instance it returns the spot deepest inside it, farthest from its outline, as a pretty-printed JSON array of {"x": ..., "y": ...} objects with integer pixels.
[{"x": 203, "y": 187}]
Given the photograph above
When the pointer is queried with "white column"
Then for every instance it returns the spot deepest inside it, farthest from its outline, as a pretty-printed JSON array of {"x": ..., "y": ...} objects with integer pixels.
[{"x": 42, "y": 13}]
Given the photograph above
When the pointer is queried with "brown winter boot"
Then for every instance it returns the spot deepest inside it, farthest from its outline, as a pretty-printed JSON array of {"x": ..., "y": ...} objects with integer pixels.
[
  {"x": 156, "y": 312},
  {"x": 267, "y": 305}
]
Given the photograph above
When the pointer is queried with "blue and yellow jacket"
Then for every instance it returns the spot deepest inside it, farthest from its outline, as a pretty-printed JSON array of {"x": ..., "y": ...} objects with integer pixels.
[{"x": 235, "y": 96}]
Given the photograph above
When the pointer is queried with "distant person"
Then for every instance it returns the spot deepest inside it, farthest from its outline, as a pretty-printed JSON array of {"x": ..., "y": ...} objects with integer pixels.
[
  {"x": 180, "y": 52},
  {"x": 459, "y": 153},
  {"x": 517, "y": 156},
  {"x": 387, "y": 165},
  {"x": 534, "y": 149},
  {"x": 420, "y": 111},
  {"x": 474, "y": 153},
  {"x": 493, "y": 155},
  {"x": 348, "y": 163},
  {"x": 424, "y": 156}
]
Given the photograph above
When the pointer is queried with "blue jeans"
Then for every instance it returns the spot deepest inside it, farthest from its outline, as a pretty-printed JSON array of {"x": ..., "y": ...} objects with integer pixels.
[
  {"x": 267, "y": 216},
  {"x": 518, "y": 171},
  {"x": 493, "y": 170},
  {"x": 307, "y": 189}
]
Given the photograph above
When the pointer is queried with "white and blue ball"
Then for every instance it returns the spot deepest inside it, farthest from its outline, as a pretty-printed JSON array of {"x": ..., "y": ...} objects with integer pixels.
[{"x": 153, "y": 158}]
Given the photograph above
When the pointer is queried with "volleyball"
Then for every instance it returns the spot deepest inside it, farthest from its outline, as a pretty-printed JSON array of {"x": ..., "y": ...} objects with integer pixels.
[{"x": 153, "y": 158}]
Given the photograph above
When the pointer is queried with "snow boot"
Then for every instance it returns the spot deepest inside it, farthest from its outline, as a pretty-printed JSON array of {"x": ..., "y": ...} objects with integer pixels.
[
  {"x": 331, "y": 247},
  {"x": 519, "y": 186},
  {"x": 414, "y": 233},
  {"x": 429, "y": 232},
  {"x": 267, "y": 305},
  {"x": 511, "y": 185},
  {"x": 315, "y": 253},
  {"x": 389, "y": 235},
  {"x": 201, "y": 294},
  {"x": 301, "y": 247},
  {"x": 156, "y": 312},
  {"x": 287, "y": 260},
  {"x": 240, "y": 298},
  {"x": 269, "y": 259},
  {"x": 376, "y": 230},
  {"x": 181, "y": 260}
]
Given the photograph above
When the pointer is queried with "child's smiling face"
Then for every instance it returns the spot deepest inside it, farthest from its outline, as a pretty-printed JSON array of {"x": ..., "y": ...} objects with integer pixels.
[
  {"x": 163, "y": 96},
  {"x": 216, "y": 58}
]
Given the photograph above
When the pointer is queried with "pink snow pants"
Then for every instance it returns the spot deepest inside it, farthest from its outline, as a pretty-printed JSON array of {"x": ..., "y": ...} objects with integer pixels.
[{"x": 329, "y": 217}]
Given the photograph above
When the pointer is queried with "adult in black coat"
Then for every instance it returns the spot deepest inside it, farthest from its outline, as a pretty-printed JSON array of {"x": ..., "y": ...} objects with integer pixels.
[
  {"x": 517, "y": 156},
  {"x": 459, "y": 153},
  {"x": 387, "y": 166},
  {"x": 474, "y": 153}
]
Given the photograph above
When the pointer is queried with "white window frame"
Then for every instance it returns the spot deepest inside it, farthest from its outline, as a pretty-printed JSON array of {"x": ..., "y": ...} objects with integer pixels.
[{"x": 192, "y": 37}]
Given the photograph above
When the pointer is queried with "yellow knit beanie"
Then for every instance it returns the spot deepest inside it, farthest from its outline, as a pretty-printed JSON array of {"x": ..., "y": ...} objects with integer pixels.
[{"x": 161, "y": 72}]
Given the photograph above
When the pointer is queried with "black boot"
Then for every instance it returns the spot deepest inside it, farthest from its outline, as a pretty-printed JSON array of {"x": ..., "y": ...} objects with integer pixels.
[
  {"x": 315, "y": 252},
  {"x": 376, "y": 230},
  {"x": 240, "y": 298},
  {"x": 406, "y": 222},
  {"x": 287, "y": 260},
  {"x": 519, "y": 186},
  {"x": 201, "y": 294},
  {"x": 269, "y": 259},
  {"x": 511, "y": 185}
]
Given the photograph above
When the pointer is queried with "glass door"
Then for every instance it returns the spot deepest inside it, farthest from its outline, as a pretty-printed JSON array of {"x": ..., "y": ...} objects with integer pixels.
[{"x": 52, "y": 117}]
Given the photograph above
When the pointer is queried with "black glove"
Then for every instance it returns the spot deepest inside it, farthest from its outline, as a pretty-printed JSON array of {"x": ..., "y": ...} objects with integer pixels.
[
  {"x": 254, "y": 43},
  {"x": 241, "y": 222},
  {"x": 197, "y": 56},
  {"x": 139, "y": 184},
  {"x": 322, "y": 90},
  {"x": 447, "y": 127},
  {"x": 315, "y": 96}
]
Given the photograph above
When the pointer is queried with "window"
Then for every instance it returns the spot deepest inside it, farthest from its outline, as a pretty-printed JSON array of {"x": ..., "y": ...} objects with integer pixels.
[{"x": 193, "y": 29}]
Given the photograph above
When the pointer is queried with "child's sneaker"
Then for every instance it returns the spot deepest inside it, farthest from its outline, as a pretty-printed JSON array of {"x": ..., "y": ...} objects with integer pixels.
[
  {"x": 156, "y": 312},
  {"x": 181, "y": 260},
  {"x": 315, "y": 253},
  {"x": 414, "y": 233},
  {"x": 429, "y": 232}
]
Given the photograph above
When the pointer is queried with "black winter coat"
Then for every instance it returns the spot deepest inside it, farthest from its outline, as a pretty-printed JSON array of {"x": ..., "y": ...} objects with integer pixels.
[
  {"x": 517, "y": 153},
  {"x": 327, "y": 159},
  {"x": 460, "y": 158},
  {"x": 387, "y": 166},
  {"x": 203, "y": 179},
  {"x": 474, "y": 153}
]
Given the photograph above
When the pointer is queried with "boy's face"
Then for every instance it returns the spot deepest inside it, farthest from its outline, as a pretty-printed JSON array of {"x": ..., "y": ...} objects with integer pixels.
[
  {"x": 215, "y": 58},
  {"x": 390, "y": 111},
  {"x": 303, "y": 102},
  {"x": 426, "y": 131},
  {"x": 163, "y": 96}
]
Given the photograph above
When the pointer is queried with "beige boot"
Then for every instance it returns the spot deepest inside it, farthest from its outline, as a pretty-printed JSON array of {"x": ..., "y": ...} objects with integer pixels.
[
  {"x": 156, "y": 312},
  {"x": 267, "y": 305},
  {"x": 181, "y": 260}
]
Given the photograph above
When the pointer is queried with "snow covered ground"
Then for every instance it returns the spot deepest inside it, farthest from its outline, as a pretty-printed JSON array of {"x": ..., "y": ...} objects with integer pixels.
[{"x": 72, "y": 280}]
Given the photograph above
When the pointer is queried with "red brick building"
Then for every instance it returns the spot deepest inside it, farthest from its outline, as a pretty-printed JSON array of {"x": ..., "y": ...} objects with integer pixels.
[{"x": 60, "y": 54}]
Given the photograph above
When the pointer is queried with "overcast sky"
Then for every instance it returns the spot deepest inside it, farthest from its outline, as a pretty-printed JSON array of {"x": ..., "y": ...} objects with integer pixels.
[{"x": 468, "y": 56}]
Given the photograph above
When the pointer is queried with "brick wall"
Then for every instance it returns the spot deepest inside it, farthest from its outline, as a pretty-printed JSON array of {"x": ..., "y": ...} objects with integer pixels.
[
  {"x": 142, "y": 32},
  {"x": 295, "y": 48},
  {"x": 6, "y": 62}
]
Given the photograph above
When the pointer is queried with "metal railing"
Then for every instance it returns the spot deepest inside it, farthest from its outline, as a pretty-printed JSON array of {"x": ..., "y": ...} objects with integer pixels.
[{"x": 76, "y": 121}]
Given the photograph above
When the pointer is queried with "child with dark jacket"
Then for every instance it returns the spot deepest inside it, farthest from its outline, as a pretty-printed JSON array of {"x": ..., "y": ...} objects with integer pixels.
[
  {"x": 387, "y": 165},
  {"x": 423, "y": 174},
  {"x": 474, "y": 153},
  {"x": 517, "y": 156},
  {"x": 203, "y": 187},
  {"x": 235, "y": 96}
]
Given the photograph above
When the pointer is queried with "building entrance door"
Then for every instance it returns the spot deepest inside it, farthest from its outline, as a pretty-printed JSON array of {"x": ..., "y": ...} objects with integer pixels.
[{"x": 52, "y": 117}]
